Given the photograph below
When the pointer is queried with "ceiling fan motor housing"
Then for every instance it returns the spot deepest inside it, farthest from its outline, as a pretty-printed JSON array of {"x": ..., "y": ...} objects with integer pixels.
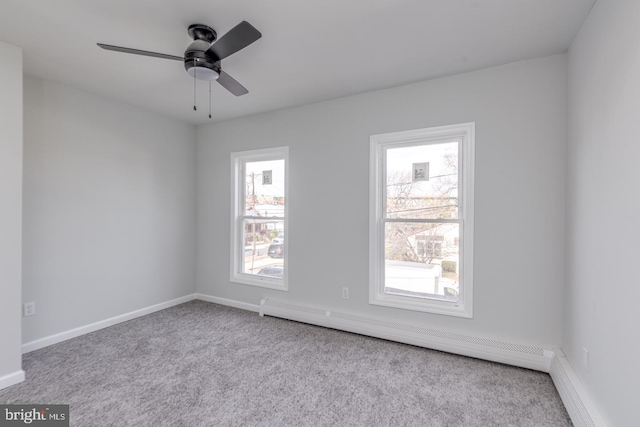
[{"x": 198, "y": 64}]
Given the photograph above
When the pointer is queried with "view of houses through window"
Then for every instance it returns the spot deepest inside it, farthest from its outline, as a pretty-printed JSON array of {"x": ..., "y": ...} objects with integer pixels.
[
  {"x": 264, "y": 219},
  {"x": 422, "y": 233}
]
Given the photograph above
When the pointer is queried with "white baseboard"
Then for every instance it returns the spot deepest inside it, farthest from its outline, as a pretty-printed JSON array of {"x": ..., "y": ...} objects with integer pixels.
[
  {"x": 229, "y": 302},
  {"x": 12, "y": 379},
  {"x": 580, "y": 407},
  {"x": 76, "y": 332},
  {"x": 524, "y": 356}
]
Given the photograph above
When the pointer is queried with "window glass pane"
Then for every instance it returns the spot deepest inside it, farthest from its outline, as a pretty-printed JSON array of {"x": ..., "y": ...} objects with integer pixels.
[
  {"x": 422, "y": 259},
  {"x": 422, "y": 181},
  {"x": 263, "y": 252},
  {"x": 264, "y": 188}
]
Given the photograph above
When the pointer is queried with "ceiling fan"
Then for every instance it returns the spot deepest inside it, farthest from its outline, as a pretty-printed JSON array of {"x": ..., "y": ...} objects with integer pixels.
[{"x": 203, "y": 57}]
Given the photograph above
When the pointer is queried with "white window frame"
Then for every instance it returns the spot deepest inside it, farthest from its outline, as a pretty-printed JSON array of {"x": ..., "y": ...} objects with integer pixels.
[
  {"x": 465, "y": 133},
  {"x": 238, "y": 185}
]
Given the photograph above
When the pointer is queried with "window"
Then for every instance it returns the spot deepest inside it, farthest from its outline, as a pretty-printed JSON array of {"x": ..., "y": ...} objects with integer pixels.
[
  {"x": 259, "y": 217},
  {"x": 421, "y": 220}
]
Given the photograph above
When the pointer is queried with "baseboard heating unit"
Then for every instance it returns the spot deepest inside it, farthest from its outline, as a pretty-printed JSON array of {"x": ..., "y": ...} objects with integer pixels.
[
  {"x": 482, "y": 348},
  {"x": 581, "y": 409}
]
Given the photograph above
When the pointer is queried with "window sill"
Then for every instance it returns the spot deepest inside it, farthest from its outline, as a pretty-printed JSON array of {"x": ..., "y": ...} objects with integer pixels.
[
  {"x": 425, "y": 305},
  {"x": 262, "y": 282}
]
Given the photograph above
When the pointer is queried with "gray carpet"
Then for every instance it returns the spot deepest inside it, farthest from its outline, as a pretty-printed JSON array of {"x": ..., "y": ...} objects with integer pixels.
[{"x": 202, "y": 364}]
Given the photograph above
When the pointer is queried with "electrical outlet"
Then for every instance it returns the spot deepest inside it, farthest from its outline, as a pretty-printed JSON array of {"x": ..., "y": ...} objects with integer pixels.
[
  {"x": 29, "y": 309},
  {"x": 585, "y": 358},
  {"x": 345, "y": 293}
]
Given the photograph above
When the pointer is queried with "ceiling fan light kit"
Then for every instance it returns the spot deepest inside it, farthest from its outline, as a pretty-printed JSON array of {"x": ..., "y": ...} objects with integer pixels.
[
  {"x": 203, "y": 57},
  {"x": 202, "y": 71}
]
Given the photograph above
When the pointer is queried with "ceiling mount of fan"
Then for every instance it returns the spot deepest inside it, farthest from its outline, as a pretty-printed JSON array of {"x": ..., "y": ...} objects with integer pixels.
[
  {"x": 203, "y": 57},
  {"x": 202, "y": 32}
]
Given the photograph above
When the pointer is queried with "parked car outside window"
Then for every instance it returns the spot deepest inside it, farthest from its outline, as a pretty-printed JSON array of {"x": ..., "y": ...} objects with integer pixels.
[
  {"x": 275, "y": 271},
  {"x": 276, "y": 250}
]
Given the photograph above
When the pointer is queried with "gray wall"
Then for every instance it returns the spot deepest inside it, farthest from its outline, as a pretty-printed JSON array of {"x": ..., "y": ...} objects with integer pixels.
[
  {"x": 109, "y": 208},
  {"x": 520, "y": 115},
  {"x": 603, "y": 208},
  {"x": 10, "y": 207}
]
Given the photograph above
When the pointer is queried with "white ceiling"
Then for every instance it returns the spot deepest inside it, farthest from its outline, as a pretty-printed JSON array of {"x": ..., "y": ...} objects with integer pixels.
[{"x": 310, "y": 51}]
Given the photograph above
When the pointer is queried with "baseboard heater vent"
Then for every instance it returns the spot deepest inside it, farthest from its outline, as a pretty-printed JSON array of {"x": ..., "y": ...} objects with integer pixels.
[
  {"x": 580, "y": 408},
  {"x": 482, "y": 348}
]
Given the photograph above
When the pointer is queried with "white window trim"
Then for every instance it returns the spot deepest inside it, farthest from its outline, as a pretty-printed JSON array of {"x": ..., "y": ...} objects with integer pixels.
[
  {"x": 466, "y": 133},
  {"x": 237, "y": 208}
]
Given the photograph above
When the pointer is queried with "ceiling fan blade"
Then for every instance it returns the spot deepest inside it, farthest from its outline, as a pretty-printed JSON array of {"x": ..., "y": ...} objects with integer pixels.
[
  {"x": 239, "y": 37},
  {"x": 139, "y": 52},
  {"x": 230, "y": 84}
]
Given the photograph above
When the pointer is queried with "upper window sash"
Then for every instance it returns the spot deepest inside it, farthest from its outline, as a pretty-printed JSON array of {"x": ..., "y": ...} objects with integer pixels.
[{"x": 434, "y": 195}]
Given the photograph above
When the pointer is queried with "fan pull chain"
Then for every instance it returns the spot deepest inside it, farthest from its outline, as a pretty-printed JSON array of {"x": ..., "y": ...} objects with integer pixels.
[
  {"x": 209, "y": 98},
  {"x": 195, "y": 70}
]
